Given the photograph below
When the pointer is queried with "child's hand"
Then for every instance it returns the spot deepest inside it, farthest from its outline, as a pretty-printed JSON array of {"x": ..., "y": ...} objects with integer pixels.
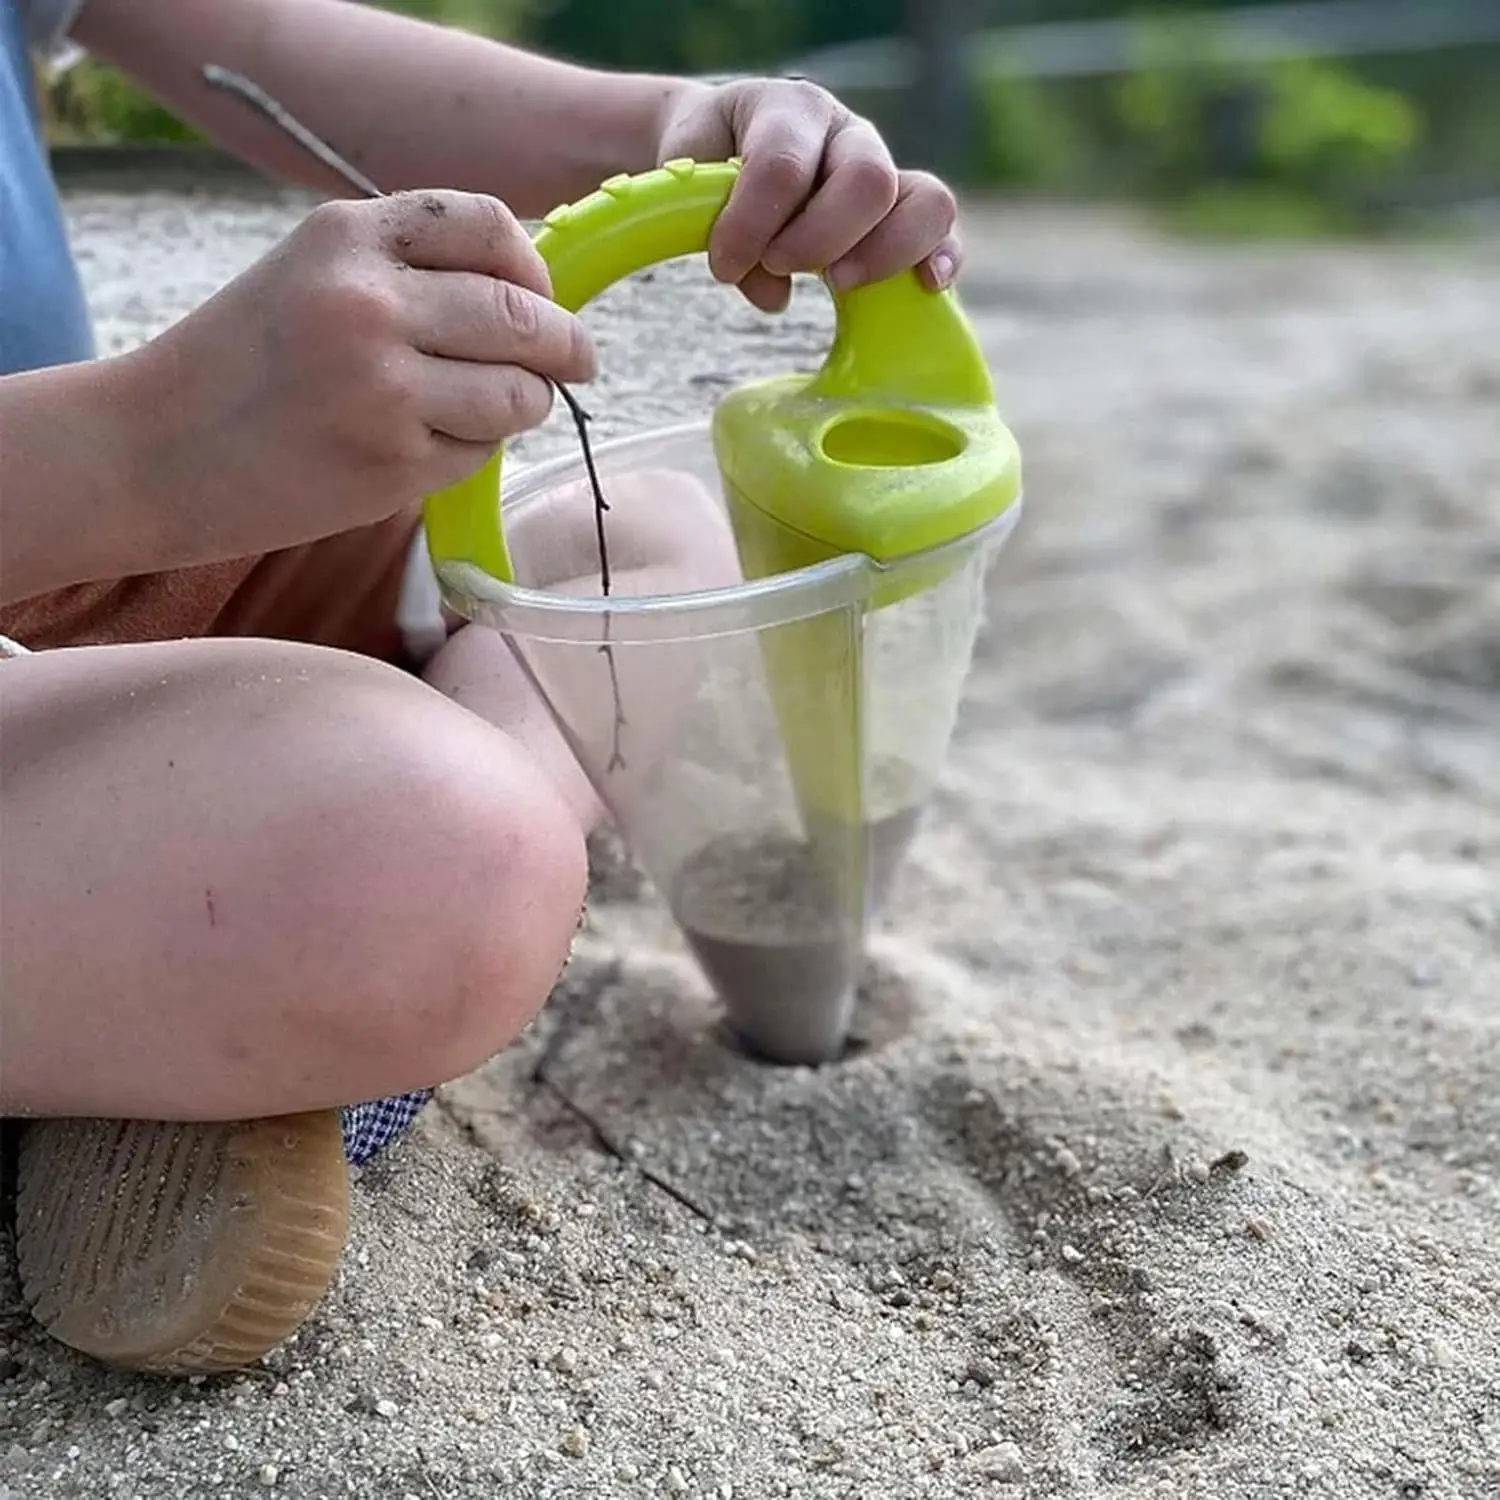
[
  {"x": 379, "y": 353},
  {"x": 818, "y": 192}
]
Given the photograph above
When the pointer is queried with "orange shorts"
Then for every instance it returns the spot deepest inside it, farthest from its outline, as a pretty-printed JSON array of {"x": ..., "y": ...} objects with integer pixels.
[{"x": 370, "y": 591}]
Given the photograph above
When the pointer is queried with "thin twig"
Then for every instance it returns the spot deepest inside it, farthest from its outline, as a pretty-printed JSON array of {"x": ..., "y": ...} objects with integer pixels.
[
  {"x": 616, "y": 755},
  {"x": 427, "y": 1478},
  {"x": 252, "y": 93},
  {"x": 611, "y": 1147},
  {"x": 581, "y": 419},
  {"x": 562, "y": 1033}
]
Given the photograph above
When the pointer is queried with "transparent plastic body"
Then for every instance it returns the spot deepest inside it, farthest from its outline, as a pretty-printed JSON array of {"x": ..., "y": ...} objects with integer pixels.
[{"x": 766, "y": 744}]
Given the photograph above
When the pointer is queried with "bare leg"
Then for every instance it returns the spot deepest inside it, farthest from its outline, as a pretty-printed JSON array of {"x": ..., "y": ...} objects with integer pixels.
[{"x": 245, "y": 879}]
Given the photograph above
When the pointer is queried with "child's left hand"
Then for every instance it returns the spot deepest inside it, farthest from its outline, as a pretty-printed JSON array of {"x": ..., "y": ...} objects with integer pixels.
[{"x": 818, "y": 192}]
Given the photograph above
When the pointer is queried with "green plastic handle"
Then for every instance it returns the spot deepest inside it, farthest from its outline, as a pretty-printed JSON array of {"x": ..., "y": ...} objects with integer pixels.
[{"x": 893, "y": 336}]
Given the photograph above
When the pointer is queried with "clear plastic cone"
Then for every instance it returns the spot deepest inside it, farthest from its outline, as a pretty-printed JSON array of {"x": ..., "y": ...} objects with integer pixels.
[{"x": 766, "y": 745}]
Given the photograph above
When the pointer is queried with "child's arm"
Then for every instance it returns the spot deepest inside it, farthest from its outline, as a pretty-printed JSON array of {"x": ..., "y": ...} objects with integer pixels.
[
  {"x": 378, "y": 354},
  {"x": 413, "y": 104},
  {"x": 419, "y": 105},
  {"x": 72, "y": 435}
]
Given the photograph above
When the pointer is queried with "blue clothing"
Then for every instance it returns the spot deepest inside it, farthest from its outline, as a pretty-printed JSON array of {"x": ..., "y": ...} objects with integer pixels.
[{"x": 44, "y": 319}]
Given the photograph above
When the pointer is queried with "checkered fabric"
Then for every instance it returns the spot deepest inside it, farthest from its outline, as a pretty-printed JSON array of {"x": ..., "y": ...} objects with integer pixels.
[{"x": 370, "y": 1128}]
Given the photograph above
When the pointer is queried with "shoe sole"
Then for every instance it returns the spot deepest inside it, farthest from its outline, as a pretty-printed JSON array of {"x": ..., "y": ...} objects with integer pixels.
[{"x": 179, "y": 1249}]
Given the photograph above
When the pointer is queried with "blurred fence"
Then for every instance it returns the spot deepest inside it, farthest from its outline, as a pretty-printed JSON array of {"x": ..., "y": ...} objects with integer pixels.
[
  {"x": 1443, "y": 55},
  {"x": 1083, "y": 49}
]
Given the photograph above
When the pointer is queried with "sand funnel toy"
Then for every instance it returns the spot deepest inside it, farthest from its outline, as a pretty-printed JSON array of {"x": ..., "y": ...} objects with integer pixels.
[{"x": 763, "y": 688}]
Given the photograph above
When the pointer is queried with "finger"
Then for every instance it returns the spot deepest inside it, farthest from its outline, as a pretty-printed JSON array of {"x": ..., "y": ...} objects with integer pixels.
[
  {"x": 782, "y": 147},
  {"x": 859, "y": 188},
  {"x": 477, "y": 403},
  {"x": 767, "y": 292},
  {"x": 439, "y": 230},
  {"x": 914, "y": 230},
  {"x": 466, "y": 316},
  {"x": 940, "y": 270},
  {"x": 454, "y": 461}
]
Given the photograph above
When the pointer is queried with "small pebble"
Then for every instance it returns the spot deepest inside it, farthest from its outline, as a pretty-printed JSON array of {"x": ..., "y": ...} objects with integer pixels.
[
  {"x": 942, "y": 1281},
  {"x": 676, "y": 1481},
  {"x": 1072, "y": 1254},
  {"x": 1002, "y": 1462},
  {"x": 1258, "y": 1229},
  {"x": 565, "y": 1361},
  {"x": 1442, "y": 1354},
  {"x": 1197, "y": 1172},
  {"x": 387, "y": 1408},
  {"x": 627, "y": 1473},
  {"x": 118, "y": 1407},
  {"x": 269, "y": 1474},
  {"x": 1068, "y": 1163},
  {"x": 576, "y": 1442}
]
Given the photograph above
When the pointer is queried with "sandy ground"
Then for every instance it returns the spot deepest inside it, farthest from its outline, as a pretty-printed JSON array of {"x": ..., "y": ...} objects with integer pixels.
[{"x": 1169, "y": 1166}]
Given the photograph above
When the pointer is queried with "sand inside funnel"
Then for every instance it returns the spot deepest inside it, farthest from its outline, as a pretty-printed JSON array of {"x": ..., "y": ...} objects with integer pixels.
[{"x": 779, "y": 942}]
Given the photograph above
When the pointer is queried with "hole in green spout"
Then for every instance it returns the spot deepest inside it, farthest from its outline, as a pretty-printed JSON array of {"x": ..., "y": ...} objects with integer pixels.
[{"x": 890, "y": 440}]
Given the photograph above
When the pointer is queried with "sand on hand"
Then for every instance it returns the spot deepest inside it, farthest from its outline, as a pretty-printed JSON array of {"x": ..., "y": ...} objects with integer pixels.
[{"x": 1166, "y": 1164}]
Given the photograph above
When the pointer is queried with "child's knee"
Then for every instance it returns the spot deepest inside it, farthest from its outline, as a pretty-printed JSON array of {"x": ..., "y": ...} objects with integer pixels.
[
  {"x": 514, "y": 908},
  {"x": 464, "y": 886}
]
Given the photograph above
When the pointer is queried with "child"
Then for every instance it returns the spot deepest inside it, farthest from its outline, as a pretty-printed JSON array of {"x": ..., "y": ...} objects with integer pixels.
[{"x": 276, "y": 842}]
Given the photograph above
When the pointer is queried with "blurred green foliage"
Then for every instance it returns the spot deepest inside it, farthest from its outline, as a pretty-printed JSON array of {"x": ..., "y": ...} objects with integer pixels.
[
  {"x": 1295, "y": 141},
  {"x": 90, "y": 103},
  {"x": 703, "y": 36},
  {"x": 1030, "y": 139}
]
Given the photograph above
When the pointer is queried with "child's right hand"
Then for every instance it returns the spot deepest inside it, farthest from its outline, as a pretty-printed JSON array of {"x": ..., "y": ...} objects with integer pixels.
[{"x": 379, "y": 353}]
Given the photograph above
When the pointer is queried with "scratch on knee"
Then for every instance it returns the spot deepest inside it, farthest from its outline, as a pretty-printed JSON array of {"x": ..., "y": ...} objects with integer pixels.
[{"x": 211, "y": 906}]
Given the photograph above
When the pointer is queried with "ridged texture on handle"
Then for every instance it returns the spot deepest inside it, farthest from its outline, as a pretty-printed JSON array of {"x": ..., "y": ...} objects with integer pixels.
[{"x": 631, "y": 223}]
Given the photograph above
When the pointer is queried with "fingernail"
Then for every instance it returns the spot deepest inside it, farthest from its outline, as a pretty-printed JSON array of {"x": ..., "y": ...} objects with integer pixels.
[{"x": 944, "y": 267}]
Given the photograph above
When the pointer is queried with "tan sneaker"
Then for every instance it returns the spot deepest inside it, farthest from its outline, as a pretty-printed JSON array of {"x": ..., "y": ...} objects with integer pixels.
[{"x": 179, "y": 1249}]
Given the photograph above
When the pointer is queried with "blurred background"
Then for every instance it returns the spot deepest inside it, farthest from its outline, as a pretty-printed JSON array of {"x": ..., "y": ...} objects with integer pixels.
[{"x": 1328, "y": 116}]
